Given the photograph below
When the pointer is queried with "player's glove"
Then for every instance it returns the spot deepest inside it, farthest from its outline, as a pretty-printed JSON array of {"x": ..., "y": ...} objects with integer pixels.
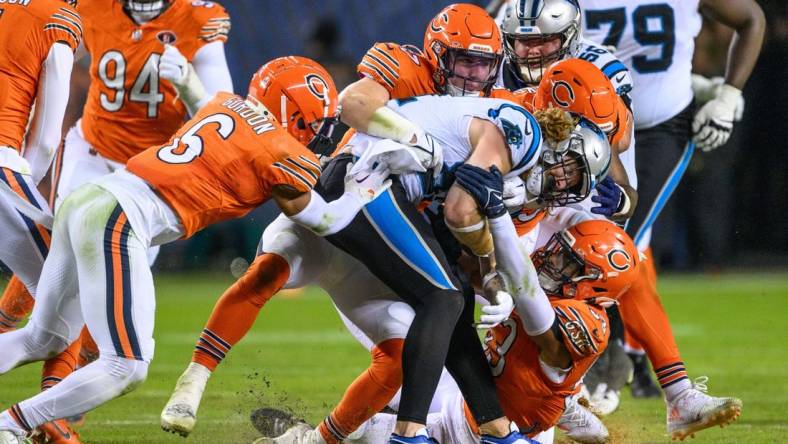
[
  {"x": 611, "y": 198},
  {"x": 367, "y": 185},
  {"x": 714, "y": 122},
  {"x": 173, "y": 66},
  {"x": 497, "y": 311},
  {"x": 428, "y": 150},
  {"x": 513, "y": 193},
  {"x": 705, "y": 90},
  {"x": 486, "y": 188}
]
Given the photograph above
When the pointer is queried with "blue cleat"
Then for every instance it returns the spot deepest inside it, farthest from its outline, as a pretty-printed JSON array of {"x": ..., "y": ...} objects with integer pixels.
[
  {"x": 515, "y": 437},
  {"x": 421, "y": 438}
]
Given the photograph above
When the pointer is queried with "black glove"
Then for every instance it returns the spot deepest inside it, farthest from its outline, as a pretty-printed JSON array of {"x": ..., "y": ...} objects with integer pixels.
[
  {"x": 486, "y": 187},
  {"x": 609, "y": 196}
]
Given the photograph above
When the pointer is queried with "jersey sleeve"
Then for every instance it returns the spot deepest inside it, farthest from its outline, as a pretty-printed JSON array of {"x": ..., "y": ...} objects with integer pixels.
[
  {"x": 613, "y": 68},
  {"x": 397, "y": 68},
  {"x": 522, "y": 133},
  {"x": 583, "y": 328},
  {"x": 214, "y": 21},
  {"x": 299, "y": 170},
  {"x": 64, "y": 25}
]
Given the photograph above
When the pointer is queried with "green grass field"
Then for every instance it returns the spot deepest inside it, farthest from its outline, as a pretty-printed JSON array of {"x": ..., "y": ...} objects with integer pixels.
[{"x": 729, "y": 327}]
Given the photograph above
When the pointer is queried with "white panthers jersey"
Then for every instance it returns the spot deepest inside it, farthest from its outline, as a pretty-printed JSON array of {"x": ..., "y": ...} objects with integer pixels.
[
  {"x": 655, "y": 40},
  {"x": 448, "y": 120}
]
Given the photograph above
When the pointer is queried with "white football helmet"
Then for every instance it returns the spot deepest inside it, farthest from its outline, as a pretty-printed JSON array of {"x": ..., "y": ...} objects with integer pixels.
[{"x": 539, "y": 21}]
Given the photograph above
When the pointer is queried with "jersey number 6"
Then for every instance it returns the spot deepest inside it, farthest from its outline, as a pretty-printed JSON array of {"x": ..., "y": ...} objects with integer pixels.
[{"x": 189, "y": 146}]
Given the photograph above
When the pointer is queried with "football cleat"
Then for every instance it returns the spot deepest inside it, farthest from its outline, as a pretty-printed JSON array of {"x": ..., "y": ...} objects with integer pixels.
[
  {"x": 422, "y": 437},
  {"x": 643, "y": 385},
  {"x": 604, "y": 401},
  {"x": 57, "y": 432},
  {"x": 514, "y": 437},
  {"x": 9, "y": 437},
  {"x": 578, "y": 423},
  {"x": 180, "y": 413},
  {"x": 693, "y": 410},
  {"x": 272, "y": 422},
  {"x": 301, "y": 433}
]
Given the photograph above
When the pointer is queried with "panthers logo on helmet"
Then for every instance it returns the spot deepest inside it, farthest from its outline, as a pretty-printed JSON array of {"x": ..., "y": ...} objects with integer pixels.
[
  {"x": 619, "y": 259},
  {"x": 316, "y": 85},
  {"x": 563, "y": 94}
]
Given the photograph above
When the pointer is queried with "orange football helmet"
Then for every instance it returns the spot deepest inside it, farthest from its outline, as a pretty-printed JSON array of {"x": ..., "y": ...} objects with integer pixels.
[
  {"x": 579, "y": 87},
  {"x": 594, "y": 260},
  {"x": 465, "y": 33},
  {"x": 301, "y": 95}
]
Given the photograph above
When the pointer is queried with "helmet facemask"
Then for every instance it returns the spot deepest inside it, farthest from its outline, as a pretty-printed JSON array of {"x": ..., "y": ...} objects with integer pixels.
[
  {"x": 456, "y": 84},
  {"x": 531, "y": 68},
  {"x": 321, "y": 143},
  {"x": 143, "y": 11},
  {"x": 559, "y": 268},
  {"x": 560, "y": 178}
]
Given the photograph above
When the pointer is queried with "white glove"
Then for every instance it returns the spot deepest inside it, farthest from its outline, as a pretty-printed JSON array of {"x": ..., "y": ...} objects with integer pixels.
[
  {"x": 498, "y": 311},
  {"x": 513, "y": 193},
  {"x": 714, "y": 122},
  {"x": 367, "y": 185},
  {"x": 428, "y": 150},
  {"x": 173, "y": 66},
  {"x": 399, "y": 158},
  {"x": 705, "y": 90}
]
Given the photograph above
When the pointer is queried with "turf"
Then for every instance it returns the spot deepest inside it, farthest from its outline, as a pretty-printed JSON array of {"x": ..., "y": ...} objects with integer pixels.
[{"x": 729, "y": 327}]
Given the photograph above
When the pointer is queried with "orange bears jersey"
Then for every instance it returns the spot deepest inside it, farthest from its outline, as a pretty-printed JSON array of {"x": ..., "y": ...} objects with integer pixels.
[
  {"x": 526, "y": 220},
  {"x": 527, "y": 396},
  {"x": 401, "y": 69},
  {"x": 224, "y": 162},
  {"x": 128, "y": 107},
  {"x": 28, "y": 29}
]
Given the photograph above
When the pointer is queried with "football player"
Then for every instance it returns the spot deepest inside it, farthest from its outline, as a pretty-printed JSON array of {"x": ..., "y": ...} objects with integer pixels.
[
  {"x": 151, "y": 61},
  {"x": 668, "y": 128},
  {"x": 580, "y": 270},
  {"x": 230, "y": 158},
  {"x": 36, "y": 70}
]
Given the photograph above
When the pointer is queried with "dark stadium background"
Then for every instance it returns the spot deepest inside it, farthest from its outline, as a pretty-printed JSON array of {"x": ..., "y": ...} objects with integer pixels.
[{"x": 729, "y": 212}]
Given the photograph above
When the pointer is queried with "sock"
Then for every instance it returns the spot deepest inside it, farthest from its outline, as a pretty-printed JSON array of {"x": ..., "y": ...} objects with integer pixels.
[
  {"x": 645, "y": 318},
  {"x": 15, "y": 304},
  {"x": 57, "y": 368},
  {"x": 368, "y": 394},
  {"x": 237, "y": 309},
  {"x": 673, "y": 379}
]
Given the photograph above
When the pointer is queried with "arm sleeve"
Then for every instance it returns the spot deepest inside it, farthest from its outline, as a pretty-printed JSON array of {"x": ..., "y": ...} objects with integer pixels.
[
  {"x": 210, "y": 64},
  {"x": 530, "y": 300},
  {"x": 51, "y": 100},
  {"x": 326, "y": 218}
]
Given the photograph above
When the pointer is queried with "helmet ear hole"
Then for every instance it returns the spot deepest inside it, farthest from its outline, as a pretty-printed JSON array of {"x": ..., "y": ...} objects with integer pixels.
[{"x": 300, "y": 123}]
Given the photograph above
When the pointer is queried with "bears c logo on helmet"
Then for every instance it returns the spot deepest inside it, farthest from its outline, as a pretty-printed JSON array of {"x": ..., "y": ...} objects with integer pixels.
[
  {"x": 619, "y": 259},
  {"x": 563, "y": 94},
  {"x": 316, "y": 85}
]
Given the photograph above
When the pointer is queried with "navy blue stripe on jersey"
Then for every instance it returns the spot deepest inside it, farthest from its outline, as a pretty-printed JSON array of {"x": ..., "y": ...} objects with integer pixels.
[
  {"x": 386, "y": 55},
  {"x": 384, "y": 65},
  {"x": 55, "y": 26},
  {"x": 379, "y": 72},
  {"x": 612, "y": 68},
  {"x": 25, "y": 189}
]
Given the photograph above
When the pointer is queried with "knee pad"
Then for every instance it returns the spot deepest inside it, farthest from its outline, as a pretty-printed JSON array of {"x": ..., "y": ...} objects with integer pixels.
[
  {"x": 128, "y": 373},
  {"x": 446, "y": 302}
]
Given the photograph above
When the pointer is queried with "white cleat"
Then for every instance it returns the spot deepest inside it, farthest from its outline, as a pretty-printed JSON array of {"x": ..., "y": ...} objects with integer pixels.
[
  {"x": 578, "y": 423},
  {"x": 693, "y": 410},
  {"x": 9, "y": 437},
  {"x": 180, "y": 414},
  {"x": 300, "y": 433},
  {"x": 604, "y": 401}
]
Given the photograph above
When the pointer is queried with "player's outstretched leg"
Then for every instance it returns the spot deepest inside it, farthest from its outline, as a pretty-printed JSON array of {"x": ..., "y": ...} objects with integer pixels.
[
  {"x": 232, "y": 317},
  {"x": 692, "y": 410},
  {"x": 15, "y": 305}
]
